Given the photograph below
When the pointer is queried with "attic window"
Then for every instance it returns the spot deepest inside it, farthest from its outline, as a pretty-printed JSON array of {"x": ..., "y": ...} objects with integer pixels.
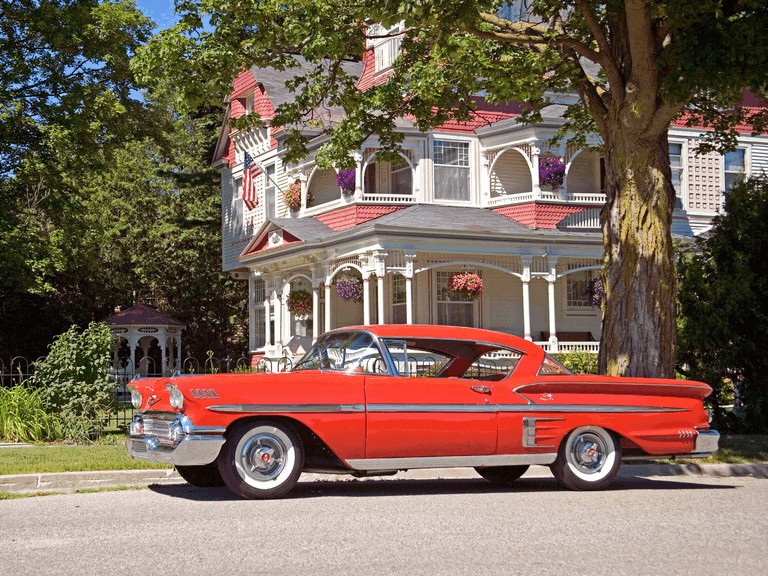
[{"x": 249, "y": 103}]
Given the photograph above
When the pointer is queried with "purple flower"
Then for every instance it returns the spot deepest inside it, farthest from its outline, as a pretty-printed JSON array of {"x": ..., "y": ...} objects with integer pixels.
[
  {"x": 596, "y": 292},
  {"x": 551, "y": 171},
  {"x": 350, "y": 287},
  {"x": 345, "y": 180}
]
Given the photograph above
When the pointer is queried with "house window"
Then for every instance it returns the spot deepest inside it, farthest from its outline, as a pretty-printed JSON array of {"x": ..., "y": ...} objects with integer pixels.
[
  {"x": 577, "y": 289},
  {"x": 269, "y": 192},
  {"x": 386, "y": 52},
  {"x": 676, "y": 164},
  {"x": 451, "y": 170},
  {"x": 400, "y": 178},
  {"x": 735, "y": 167},
  {"x": 398, "y": 299},
  {"x": 451, "y": 309},
  {"x": 249, "y": 99}
]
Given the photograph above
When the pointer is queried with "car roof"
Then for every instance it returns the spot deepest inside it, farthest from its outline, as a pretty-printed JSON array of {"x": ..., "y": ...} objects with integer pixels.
[{"x": 451, "y": 333}]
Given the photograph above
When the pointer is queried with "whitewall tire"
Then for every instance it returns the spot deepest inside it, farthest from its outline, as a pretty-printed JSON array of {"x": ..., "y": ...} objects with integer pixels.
[
  {"x": 262, "y": 460},
  {"x": 588, "y": 459}
]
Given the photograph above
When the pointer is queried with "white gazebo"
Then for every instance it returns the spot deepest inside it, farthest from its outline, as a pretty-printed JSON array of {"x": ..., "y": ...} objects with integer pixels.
[{"x": 142, "y": 330}]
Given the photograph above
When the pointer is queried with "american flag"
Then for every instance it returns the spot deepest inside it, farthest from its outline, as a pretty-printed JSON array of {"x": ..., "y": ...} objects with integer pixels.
[{"x": 250, "y": 172}]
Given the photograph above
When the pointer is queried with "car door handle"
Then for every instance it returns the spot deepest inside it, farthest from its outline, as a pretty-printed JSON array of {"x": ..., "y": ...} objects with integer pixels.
[{"x": 481, "y": 389}]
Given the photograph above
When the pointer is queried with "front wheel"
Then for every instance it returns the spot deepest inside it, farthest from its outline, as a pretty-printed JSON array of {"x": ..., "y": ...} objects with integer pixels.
[
  {"x": 262, "y": 460},
  {"x": 588, "y": 459},
  {"x": 501, "y": 474}
]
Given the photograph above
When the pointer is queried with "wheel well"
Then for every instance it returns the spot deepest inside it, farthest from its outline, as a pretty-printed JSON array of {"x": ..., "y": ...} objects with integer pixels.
[{"x": 317, "y": 454}]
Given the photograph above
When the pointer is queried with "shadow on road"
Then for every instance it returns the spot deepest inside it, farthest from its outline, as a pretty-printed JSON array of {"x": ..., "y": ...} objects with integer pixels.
[{"x": 371, "y": 488}]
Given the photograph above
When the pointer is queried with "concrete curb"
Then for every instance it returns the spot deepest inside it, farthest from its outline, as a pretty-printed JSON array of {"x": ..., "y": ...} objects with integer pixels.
[{"x": 69, "y": 482}]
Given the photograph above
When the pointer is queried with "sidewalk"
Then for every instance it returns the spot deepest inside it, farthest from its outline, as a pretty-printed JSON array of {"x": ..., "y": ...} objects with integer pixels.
[{"x": 68, "y": 482}]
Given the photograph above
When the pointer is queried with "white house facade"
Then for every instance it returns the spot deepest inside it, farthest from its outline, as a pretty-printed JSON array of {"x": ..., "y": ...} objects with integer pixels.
[{"x": 461, "y": 198}]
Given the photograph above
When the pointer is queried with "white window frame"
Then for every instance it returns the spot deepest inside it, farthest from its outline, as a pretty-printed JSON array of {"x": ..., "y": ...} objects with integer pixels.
[
  {"x": 682, "y": 169},
  {"x": 468, "y": 167},
  {"x": 270, "y": 188},
  {"x": 744, "y": 150},
  {"x": 441, "y": 278},
  {"x": 398, "y": 299},
  {"x": 572, "y": 305}
]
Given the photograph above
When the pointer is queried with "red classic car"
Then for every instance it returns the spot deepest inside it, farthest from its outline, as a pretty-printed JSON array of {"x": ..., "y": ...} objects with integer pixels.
[{"x": 372, "y": 400}]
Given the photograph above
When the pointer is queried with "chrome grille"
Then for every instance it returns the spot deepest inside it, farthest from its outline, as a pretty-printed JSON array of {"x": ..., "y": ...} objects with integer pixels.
[{"x": 158, "y": 424}]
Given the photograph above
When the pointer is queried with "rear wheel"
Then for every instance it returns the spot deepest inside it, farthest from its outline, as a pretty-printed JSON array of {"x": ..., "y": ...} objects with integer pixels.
[
  {"x": 206, "y": 476},
  {"x": 262, "y": 460},
  {"x": 501, "y": 474},
  {"x": 588, "y": 459}
]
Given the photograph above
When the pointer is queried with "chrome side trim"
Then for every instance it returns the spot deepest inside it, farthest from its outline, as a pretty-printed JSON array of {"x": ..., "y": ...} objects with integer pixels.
[
  {"x": 280, "y": 408},
  {"x": 524, "y": 408},
  {"x": 451, "y": 461},
  {"x": 529, "y": 431}
]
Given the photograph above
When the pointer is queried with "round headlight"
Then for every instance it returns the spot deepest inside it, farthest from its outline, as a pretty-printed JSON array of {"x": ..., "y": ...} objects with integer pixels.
[
  {"x": 135, "y": 397},
  {"x": 177, "y": 398}
]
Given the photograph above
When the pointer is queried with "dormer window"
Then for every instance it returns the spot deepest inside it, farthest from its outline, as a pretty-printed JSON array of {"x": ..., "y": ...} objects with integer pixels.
[
  {"x": 386, "y": 48},
  {"x": 249, "y": 103}
]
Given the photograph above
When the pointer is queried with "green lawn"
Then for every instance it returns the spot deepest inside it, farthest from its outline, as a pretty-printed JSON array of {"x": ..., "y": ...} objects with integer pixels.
[
  {"x": 734, "y": 449},
  {"x": 58, "y": 458}
]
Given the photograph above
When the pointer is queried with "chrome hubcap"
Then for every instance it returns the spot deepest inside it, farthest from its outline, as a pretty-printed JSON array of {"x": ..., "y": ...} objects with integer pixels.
[
  {"x": 263, "y": 457},
  {"x": 589, "y": 453}
]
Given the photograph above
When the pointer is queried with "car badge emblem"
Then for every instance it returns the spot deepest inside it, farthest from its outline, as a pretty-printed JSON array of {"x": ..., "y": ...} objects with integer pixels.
[
  {"x": 546, "y": 397},
  {"x": 152, "y": 400}
]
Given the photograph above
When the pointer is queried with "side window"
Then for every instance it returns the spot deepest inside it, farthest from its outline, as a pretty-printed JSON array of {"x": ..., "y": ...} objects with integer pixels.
[
  {"x": 735, "y": 167},
  {"x": 494, "y": 365},
  {"x": 676, "y": 164}
]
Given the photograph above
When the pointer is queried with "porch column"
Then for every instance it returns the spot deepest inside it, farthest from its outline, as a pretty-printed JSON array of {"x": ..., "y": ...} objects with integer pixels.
[
  {"x": 251, "y": 313},
  {"x": 179, "y": 359},
  {"x": 551, "y": 279},
  {"x": 409, "y": 259},
  {"x": 315, "y": 310},
  {"x": 304, "y": 192},
  {"x": 366, "y": 299},
  {"x": 267, "y": 322},
  {"x": 527, "y": 298},
  {"x": 287, "y": 329},
  {"x": 381, "y": 272},
  {"x": 327, "y": 305},
  {"x": 278, "y": 317},
  {"x": 163, "y": 343},
  {"x": 536, "y": 185},
  {"x": 358, "y": 157}
]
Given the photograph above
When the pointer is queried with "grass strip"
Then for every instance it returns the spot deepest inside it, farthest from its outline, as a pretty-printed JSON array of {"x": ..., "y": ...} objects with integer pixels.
[{"x": 61, "y": 458}]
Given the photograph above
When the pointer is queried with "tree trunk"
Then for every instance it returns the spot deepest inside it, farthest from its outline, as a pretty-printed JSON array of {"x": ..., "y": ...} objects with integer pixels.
[{"x": 639, "y": 272}]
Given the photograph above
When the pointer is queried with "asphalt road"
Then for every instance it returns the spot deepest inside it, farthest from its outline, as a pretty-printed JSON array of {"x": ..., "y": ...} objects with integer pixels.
[{"x": 673, "y": 525}]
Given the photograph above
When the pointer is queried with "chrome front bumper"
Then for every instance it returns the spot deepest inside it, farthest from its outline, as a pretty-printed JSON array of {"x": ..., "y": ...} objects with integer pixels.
[{"x": 173, "y": 439}]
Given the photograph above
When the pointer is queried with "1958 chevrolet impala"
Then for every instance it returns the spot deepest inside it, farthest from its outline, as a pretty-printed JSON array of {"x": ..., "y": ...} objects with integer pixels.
[{"x": 371, "y": 400}]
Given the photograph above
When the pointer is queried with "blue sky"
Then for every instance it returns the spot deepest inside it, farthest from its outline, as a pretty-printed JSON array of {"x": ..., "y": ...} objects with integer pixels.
[{"x": 161, "y": 11}]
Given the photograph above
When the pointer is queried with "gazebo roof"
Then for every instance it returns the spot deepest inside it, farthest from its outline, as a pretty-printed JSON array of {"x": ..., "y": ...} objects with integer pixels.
[{"x": 141, "y": 315}]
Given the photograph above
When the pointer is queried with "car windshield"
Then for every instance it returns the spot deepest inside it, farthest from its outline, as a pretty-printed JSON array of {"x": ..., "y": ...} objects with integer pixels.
[{"x": 344, "y": 352}]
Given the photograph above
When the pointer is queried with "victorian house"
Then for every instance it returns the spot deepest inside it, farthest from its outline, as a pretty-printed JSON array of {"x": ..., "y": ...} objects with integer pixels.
[{"x": 381, "y": 244}]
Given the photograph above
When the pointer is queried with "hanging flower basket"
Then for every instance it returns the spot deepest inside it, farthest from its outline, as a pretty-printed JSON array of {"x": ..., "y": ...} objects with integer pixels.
[
  {"x": 350, "y": 288},
  {"x": 466, "y": 285},
  {"x": 551, "y": 172},
  {"x": 596, "y": 291},
  {"x": 345, "y": 180},
  {"x": 293, "y": 196},
  {"x": 300, "y": 303}
]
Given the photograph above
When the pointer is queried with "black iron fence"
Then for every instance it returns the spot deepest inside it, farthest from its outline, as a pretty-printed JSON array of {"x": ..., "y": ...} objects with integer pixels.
[{"x": 19, "y": 370}]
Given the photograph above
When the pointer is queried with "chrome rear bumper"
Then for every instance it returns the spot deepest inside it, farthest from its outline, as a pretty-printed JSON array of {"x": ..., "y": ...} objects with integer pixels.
[{"x": 706, "y": 442}]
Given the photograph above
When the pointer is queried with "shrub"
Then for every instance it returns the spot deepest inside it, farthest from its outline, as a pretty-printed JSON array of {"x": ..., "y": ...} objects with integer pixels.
[
  {"x": 74, "y": 382},
  {"x": 578, "y": 362},
  {"x": 23, "y": 417}
]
